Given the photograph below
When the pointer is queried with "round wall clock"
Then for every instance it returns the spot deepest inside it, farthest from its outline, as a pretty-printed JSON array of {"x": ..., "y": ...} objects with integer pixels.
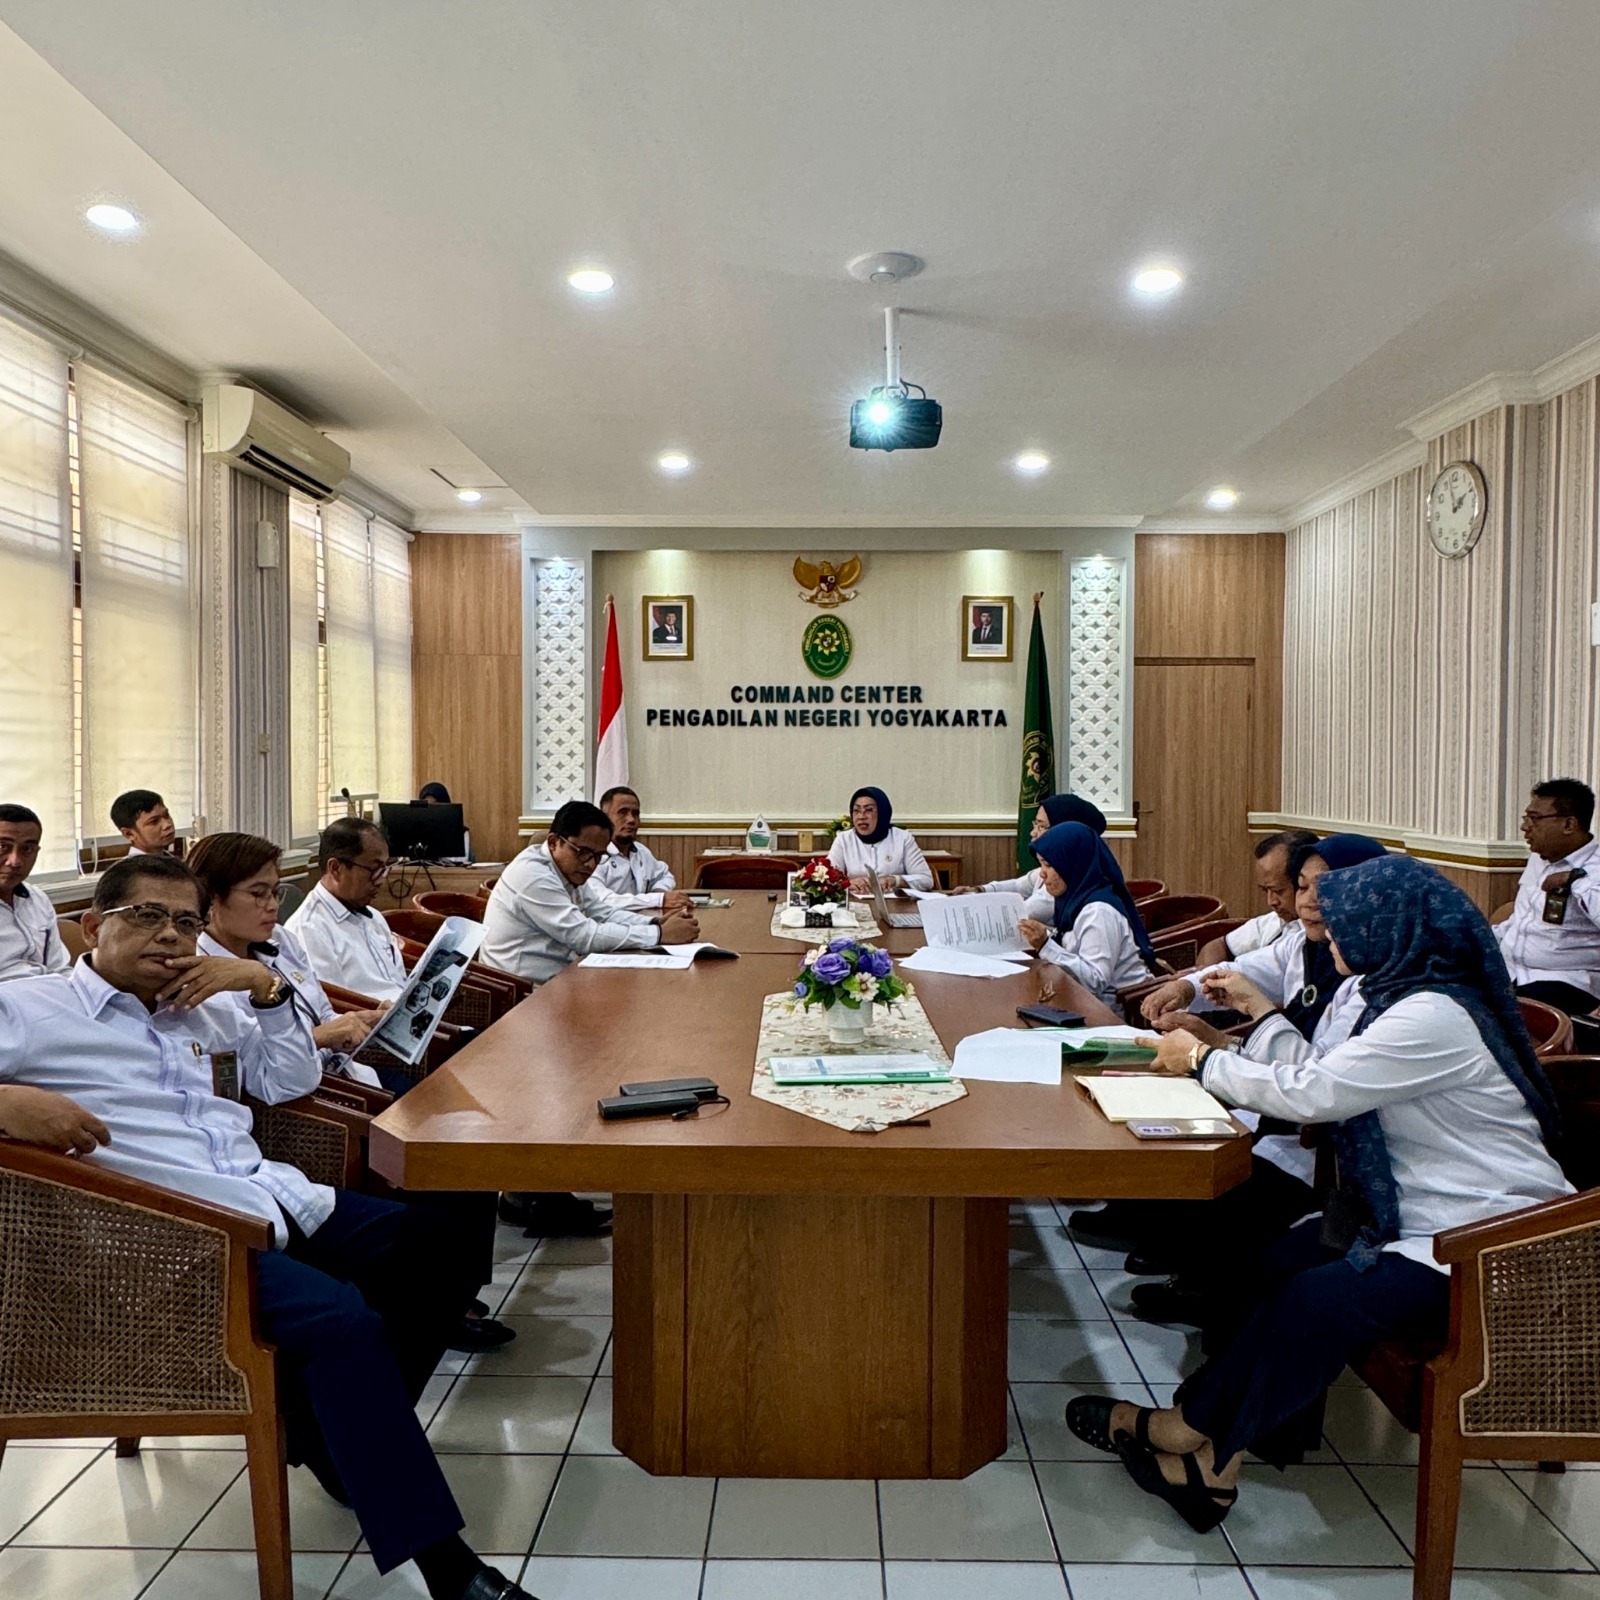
[{"x": 1458, "y": 503}]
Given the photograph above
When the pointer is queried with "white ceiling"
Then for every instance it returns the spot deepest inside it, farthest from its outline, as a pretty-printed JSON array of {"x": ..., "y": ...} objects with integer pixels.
[{"x": 373, "y": 205}]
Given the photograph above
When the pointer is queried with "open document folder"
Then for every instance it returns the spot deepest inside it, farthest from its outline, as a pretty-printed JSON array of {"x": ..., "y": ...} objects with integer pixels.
[
  {"x": 980, "y": 924},
  {"x": 411, "y": 1022},
  {"x": 672, "y": 957},
  {"x": 1037, "y": 1055}
]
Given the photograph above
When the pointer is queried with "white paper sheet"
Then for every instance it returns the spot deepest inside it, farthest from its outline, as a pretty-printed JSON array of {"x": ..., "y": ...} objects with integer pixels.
[
  {"x": 960, "y": 963},
  {"x": 1140, "y": 1098},
  {"x": 1010, "y": 1055},
  {"x": 1080, "y": 1036},
  {"x": 984, "y": 924},
  {"x": 674, "y": 958}
]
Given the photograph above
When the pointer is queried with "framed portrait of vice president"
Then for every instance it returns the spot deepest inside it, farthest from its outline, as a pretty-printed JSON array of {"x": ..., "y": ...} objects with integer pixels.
[{"x": 986, "y": 627}]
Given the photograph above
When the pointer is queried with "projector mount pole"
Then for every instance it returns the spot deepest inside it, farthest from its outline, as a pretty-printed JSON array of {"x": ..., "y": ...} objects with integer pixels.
[{"x": 891, "y": 346}]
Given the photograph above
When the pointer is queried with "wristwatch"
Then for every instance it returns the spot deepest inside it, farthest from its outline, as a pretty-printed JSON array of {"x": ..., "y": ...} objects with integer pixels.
[
  {"x": 1197, "y": 1058},
  {"x": 280, "y": 993}
]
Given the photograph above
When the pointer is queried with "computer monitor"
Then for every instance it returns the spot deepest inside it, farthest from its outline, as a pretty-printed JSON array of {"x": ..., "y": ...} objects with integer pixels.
[{"x": 423, "y": 833}]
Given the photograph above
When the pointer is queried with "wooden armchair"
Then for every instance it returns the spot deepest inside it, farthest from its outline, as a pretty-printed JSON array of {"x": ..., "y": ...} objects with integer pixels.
[
  {"x": 151, "y": 1324},
  {"x": 448, "y": 903},
  {"x": 746, "y": 872},
  {"x": 1145, "y": 888},
  {"x": 1516, "y": 1380},
  {"x": 1168, "y": 913}
]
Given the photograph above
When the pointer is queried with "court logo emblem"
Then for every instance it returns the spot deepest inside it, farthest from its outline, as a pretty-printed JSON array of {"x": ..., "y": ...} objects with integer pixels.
[{"x": 825, "y": 646}]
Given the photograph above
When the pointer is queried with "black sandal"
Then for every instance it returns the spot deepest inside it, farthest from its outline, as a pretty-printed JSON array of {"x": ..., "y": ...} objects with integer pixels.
[
  {"x": 1200, "y": 1505},
  {"x": 1089, "y": 1417}
]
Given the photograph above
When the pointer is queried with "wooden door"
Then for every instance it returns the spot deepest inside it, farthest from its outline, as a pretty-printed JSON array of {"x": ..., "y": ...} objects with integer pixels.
[{"x": 1192, "y": 761}]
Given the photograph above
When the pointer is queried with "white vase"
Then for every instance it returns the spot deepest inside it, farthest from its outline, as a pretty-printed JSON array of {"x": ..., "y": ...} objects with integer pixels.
[{"x": 849, "y": 1027}]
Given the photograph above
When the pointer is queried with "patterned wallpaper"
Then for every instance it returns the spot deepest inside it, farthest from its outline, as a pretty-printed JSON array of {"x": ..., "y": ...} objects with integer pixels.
[{"x": 1422, "y": 697}]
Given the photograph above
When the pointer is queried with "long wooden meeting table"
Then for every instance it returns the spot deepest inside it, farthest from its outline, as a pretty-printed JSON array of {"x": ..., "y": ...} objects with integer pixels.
[{"x": 791, "y": 1300}]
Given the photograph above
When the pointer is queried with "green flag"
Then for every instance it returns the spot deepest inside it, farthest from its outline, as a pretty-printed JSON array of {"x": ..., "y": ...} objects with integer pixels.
[{"x": 1038, "y": 742}]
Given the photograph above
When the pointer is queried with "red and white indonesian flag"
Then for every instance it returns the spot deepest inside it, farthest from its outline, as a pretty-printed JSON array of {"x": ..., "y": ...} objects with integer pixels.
[{"x": 611, "y": 744}]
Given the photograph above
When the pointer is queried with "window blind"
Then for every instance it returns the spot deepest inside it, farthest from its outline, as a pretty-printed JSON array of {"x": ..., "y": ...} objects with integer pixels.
[
  {"x": 303, "y": 701},
  {"x": 37, "y": 738},
  {"x": 391, "y": 592},
  {"x": 352, "y": 656},
  {"x": 139, "y": 689}
]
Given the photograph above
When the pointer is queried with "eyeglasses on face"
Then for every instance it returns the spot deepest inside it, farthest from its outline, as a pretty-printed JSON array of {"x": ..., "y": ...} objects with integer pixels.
[
  {"x": 377, "y": 873},
  {"x": 153, "y": 918},
  {"x": 267, "y": 894},
  {"x": 586, "y": 856},
  {"x": 1542, "y": 816}
]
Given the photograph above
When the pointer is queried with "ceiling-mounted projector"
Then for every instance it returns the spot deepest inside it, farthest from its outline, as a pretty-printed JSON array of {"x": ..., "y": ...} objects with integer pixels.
[{"x": 890, "y": 417}]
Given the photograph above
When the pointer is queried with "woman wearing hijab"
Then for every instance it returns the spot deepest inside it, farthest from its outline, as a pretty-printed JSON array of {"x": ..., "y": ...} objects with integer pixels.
[
  {"x": 1053, "y": 809},
  {"x": 873, "y": 841},
  {"x": 1095, "y": 930},
  {"x": 1213, "y": 1249},
  {"x": 433, "y": 794},
  {"x": 1441, "y": 1117}
]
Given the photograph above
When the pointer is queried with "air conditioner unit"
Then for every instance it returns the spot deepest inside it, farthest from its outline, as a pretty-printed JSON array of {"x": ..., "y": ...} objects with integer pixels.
[{"x": 258, "y": 436}]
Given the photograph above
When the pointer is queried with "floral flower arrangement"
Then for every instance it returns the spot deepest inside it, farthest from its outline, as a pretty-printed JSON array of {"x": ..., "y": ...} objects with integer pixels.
[
  {"x": 837, "y": 826},
  {"x": 850, "y": 974},
  {"x": 820, "y": 883}
]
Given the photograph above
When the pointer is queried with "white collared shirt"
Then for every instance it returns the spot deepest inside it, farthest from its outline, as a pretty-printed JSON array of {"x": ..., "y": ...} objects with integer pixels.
[
  {"x": 1462, "y": 1143},
  {"x": 537, "y": 923},
  {"x": 1099, "y": 950},
  {"x": 354, "y": 949},
  {"x": 1037, "y": 901},
  {"x": 897, "y": 854},
  {"x": 285, "y": 956},
  {"x": 1257, "y": 933},
  {"x": 1278, "y": 971},
  {"x": 1537, "y": 951},
  {"x": 636, "y": 877},
  {"x": 30, "y": 944},
  {"x": 148, "y": 1077}
]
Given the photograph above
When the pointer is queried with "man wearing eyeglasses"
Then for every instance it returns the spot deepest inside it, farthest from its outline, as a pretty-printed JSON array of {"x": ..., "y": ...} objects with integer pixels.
[
  {"x": 349, "y": 942},
  {"x": 1551, "y": 940},
  {"x": 544, "y": 913},
  {"x": 124, "y": 1064}
]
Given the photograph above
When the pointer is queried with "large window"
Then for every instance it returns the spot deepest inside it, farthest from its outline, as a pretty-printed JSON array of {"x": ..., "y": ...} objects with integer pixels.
[
  {"x": 97, "y": 575},
  {"x": 350, "y": 661}
]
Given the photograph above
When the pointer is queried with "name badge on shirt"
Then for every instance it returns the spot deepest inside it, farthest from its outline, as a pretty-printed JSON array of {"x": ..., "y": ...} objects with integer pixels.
[
  {"x": 1557, "y": 900},
  {"x": 225, "y": 1074}
]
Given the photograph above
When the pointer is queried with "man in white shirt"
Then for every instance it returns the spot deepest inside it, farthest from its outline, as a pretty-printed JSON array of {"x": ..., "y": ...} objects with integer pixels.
[
  {"x": 1272, "y": 879},
  {"x": 640, "y": 880},
  {"x": 1551, "y": 941},
  {"x": 348, "y": 941},
  {"x": 142, "y": 818},
  {"x": 544, "y": 913},
  {"x": 29, "y": 943},
  {"x": 127, "y": 1063}
]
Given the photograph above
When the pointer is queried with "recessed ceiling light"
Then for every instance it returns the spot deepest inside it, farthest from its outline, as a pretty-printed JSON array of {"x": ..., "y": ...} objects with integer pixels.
[
  {"x": 1157, "y": 281},
  {"x": 591, "y": 280},
  {"x": 112, "y": 219},
  {"x": 1032, "y": 462},
  {"x": 1222, "y": 498},
  {"x": 469, "y": 497},
  {"x": 673, "y": 461}
]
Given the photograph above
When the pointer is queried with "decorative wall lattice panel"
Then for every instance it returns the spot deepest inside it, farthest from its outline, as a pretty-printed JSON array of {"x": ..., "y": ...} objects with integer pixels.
[
  {"x": 560, "y": 707},
  {"x": 1097, "y": 676}
]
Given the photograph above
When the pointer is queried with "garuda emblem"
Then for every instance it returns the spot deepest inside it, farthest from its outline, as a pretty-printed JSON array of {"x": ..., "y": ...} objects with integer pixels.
[{"x": 827, "y": 585}]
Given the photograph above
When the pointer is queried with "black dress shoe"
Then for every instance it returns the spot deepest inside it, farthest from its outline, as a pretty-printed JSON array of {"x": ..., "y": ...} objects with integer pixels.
[
  {"x": 1168, "y": 1302},
  {"x": 481, "y": 1333},
  {"x": 565, "y": 1216},
  {"x": 1117, "y": 1225},
  {"x": 492, "y": 1585}
]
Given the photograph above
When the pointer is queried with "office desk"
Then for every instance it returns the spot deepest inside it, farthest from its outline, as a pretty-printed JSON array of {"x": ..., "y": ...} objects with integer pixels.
[
  {"x": 790, "y": 1300},
  {"x": 946, "y": 864}
]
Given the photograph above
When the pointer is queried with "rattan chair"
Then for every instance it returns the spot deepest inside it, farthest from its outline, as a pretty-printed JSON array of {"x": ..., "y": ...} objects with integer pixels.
[
  {"x": 1519, "y": 1376},
  {"x": 127, "y": 1309},
  {"x": 448, "y": 903},
  {"x": 412, "y": 924}
]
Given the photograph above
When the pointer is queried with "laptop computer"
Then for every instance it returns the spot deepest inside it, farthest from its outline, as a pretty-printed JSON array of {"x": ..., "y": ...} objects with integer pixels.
[{"x": 880, "y": 906}]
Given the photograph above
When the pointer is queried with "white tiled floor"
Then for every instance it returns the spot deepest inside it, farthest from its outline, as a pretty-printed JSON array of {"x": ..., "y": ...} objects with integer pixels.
[{"x": 525, "y": 1437}]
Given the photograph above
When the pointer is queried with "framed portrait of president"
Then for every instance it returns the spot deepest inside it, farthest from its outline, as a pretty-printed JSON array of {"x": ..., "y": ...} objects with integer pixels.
[
  {"x": 986, "y": 627},
  {"x": 668, "y": 627}
]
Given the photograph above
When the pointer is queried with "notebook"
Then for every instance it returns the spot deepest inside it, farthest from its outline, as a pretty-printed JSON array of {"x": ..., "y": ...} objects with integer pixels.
[
  {"x": 880, "y": 907},
  {"x": 1152, "y": 1098}
]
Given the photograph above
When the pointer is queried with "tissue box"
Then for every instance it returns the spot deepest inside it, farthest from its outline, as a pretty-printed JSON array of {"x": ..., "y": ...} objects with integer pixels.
[{"x": 792, "y": 917}]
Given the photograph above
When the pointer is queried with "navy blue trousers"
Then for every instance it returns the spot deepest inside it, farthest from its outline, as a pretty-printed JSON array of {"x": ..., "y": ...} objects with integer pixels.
[
  {"x": 1317, "y": 1313},
  {"x": 360, "y": 1313}
]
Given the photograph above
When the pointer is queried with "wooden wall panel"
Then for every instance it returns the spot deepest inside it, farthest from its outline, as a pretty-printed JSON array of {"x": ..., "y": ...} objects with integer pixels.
[
  {"x": 466, "y": 663},
  {"x": 1207, "y": 608}
]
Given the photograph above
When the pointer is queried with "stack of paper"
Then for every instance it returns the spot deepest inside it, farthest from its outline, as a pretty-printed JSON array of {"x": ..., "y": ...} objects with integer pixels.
[
  {"x": 676, "y": 957},
  {"x": 814, "y": 1070},
  {"x": 1010, "y": 1055},
  {"x": 962, "y": 963},
  {"x": 1139, "y": 1098},
  {"x": 982, "y": 924}
]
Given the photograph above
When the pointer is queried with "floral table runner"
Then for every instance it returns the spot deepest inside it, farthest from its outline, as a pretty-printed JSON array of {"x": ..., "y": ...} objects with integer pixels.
[{"x": 788, "y": 1030}]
